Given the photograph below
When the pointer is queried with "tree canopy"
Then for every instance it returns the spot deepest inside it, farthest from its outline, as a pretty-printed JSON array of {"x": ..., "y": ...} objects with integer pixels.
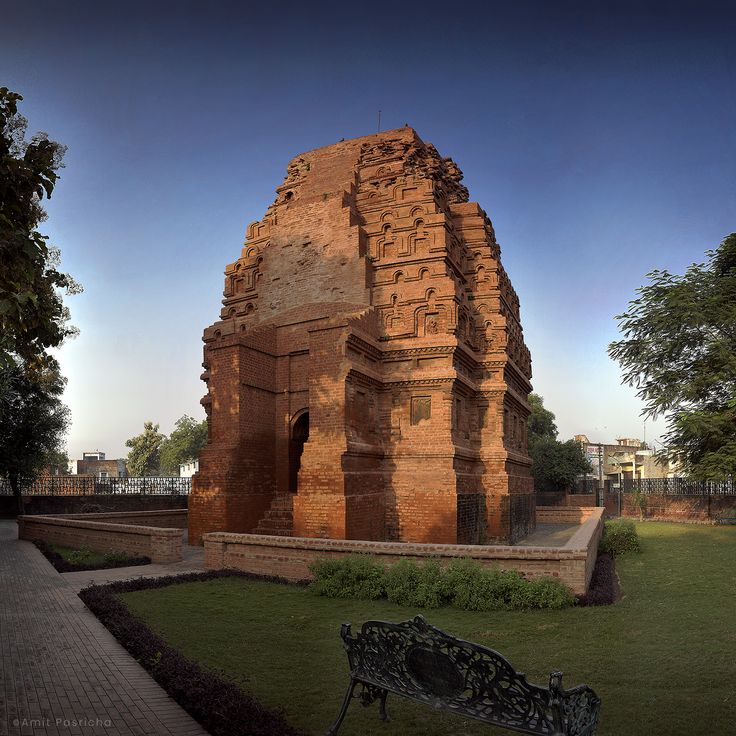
[
  {"x": 144, "y": 457},
  {"x": 32, "y": 314},
  {"x": 679, "y": 351},
  {"x": 33, "y": 422},
  {"x": 555, "y": 465},
  {"x": 541, "y": 421},
  {"x": 33, "y": 317},
  {"x": 183, "y": 444}
]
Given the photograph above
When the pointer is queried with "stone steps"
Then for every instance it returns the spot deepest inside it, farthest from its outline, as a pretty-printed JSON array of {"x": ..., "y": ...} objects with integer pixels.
[{"x": 279, "y": 518}]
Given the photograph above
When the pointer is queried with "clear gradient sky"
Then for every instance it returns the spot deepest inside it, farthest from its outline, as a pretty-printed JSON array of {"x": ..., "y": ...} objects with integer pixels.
[{"x": 599, "y": 137}]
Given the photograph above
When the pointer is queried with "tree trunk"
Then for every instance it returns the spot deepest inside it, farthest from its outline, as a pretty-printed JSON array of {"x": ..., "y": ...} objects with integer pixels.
[{"x": 17, "y": 495}]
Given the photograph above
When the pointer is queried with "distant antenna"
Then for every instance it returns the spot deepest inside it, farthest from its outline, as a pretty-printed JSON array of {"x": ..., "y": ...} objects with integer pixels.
[{"x": 379, "y": 121}]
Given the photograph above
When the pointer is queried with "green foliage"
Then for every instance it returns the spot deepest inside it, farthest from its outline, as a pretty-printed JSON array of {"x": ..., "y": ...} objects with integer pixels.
[
  {"x": 409, "y": 584},
  {"x": 474, "y": 587},
  {"x": 144, "y": 456},
  {"x": 541, "y": 421},
  {"x": 32, "y": 314},
  {"x": 114, "y": 556},
  {"x": 33, "y": 421},
  {"x": 679, "y": 351},
  {"x": 464, "y": 584},
  {"x": 556, "y": 465},
  {"x": 78, "y": 556},
  {"x": 353, "y": 576},
  {"x": 639, "y": 499},
  {"x": 619, "y": 537},
  {"x": 183, "y": 445},
  {"x": 57, "y": 462}
]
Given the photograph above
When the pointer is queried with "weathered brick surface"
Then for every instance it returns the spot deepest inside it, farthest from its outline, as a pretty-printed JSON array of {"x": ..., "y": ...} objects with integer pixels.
[
  {"x": 111, "y": 532},
  {"x": 68, "y": 504},
  {"x": 371, "y": 296},
  {"x": 698, "y": 509},
  {"x": 291, "y": 557}
]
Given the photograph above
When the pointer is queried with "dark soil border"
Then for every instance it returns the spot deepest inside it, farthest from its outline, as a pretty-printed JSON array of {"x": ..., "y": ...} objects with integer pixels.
[
  {"x": 219, "y": 706},
  {"x": 63, "y": 565},
  {"x": 604, "y": 589}
]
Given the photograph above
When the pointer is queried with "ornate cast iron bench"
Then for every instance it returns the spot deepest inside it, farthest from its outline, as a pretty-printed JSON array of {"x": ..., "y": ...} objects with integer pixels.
[{"x": 422, "y": 663}]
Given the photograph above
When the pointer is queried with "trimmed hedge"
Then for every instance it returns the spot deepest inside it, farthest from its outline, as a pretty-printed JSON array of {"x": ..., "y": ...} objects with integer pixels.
[
  {"x": 112, "y": 559},
  {"x": 619, "y": 537},
  {"x": 220, "y": 706},
  {"x": 464, "y": 584}
]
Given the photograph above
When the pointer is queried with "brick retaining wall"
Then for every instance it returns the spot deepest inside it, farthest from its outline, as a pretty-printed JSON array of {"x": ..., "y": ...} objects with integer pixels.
[
  {"x": 128, "y": 534},
  {"x": 76, "y": 504},
  {"x": 564, "y": 514},
  {"x": 290, "y": 557},
  {"x": 660, "y": 507},
  {"x": 561, "y": 498}
]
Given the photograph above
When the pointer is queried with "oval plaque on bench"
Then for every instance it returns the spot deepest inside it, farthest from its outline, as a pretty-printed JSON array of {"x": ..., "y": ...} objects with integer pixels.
[{"x": 435, "y": 671}]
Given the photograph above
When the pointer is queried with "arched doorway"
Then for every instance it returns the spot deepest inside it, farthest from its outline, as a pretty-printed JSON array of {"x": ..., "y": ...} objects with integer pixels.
[{"x": 299, "y": 435}]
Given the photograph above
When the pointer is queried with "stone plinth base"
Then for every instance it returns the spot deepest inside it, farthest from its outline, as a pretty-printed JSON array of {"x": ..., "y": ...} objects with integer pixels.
[{"x": 290, "y": 557}]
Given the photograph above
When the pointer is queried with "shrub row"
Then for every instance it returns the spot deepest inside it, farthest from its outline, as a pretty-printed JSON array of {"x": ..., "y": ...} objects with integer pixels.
[
  {"x": 619, "y": 537},
  {"x": 78, "y": 563},
  {"x": 464, "y": 584},
  {"x": 220, "y": 706}
]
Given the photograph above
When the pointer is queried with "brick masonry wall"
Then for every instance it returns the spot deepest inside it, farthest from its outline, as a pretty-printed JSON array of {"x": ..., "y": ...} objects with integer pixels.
[
  {"x": 160, "y": 544},
  {"x": 660, "y": 507},
  {"x": 565, "y": 515},
  {"x": 78, "y": 504},
  {"x": 562, "y": 498},
  {"x": 290, "y": 557},
  {"x": 371, "y": 294},
  {"x": 166, "y": 519}
]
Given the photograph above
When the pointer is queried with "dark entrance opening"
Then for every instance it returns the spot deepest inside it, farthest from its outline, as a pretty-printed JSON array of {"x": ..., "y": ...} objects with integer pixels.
[{"x": 299, "y": 435}]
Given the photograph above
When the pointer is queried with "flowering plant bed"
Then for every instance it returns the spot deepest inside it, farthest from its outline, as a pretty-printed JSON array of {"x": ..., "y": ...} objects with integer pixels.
[{"x": 70, "y": 560}]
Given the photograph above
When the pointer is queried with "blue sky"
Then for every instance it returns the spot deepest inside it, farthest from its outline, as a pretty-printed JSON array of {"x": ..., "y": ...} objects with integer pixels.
[{"x": 599, "y": 137}]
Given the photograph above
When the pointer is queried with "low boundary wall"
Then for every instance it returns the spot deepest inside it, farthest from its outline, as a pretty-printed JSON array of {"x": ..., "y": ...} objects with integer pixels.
[
  {"x": 155, "y": 534},
  {"x": 695, "y": 508},
  {"x": 290, "y": 557},
  {"x": 65, "y": 504},
  {"x": 698, "y": 508}
]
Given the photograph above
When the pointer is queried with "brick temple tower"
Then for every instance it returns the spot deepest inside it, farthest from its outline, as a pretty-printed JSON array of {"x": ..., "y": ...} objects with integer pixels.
[{"x": 368, "y": 377}]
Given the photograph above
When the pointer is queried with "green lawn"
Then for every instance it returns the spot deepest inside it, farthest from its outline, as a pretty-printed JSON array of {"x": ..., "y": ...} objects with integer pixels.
[{"x": 663, "y": 660}]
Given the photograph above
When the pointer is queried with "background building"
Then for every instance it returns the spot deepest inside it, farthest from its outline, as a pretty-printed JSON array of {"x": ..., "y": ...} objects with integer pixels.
[
  {"x": 94, "y": 464},
  {"x": 626, "y": 459}
]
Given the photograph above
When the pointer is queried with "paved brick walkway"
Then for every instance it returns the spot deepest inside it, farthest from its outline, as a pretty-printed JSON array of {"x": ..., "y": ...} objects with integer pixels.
[{"x": 61, "y": 671}]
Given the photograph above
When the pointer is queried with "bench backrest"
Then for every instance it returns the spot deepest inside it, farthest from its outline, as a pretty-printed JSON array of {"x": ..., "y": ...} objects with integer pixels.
[{"x": 421, "y": 662}]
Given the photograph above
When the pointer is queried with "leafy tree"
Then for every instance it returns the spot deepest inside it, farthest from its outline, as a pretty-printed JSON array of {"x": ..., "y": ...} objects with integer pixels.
[
  {"x": 33, "y": 422},
  {"x": 32, "y": 314},
  {"x": 555, "y": 464},
  {"x": 57, "y": 462},
  {"x": 184, "y": 444},
  {"x": 679, "y": 351},
  {"x": 541, "y": 420},
  {"x": 144, "y": 457}
]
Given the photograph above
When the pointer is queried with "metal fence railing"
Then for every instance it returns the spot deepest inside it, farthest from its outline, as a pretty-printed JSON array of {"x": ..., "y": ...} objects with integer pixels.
[
  {"x": 585, "y": 485},
  {"x": 680, "y": 486},
  {"x": 78, "y": 485}
]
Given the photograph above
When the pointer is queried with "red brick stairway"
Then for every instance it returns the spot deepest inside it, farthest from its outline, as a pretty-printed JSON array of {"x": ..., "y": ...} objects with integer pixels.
[{"x": 279, "y": 518}]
